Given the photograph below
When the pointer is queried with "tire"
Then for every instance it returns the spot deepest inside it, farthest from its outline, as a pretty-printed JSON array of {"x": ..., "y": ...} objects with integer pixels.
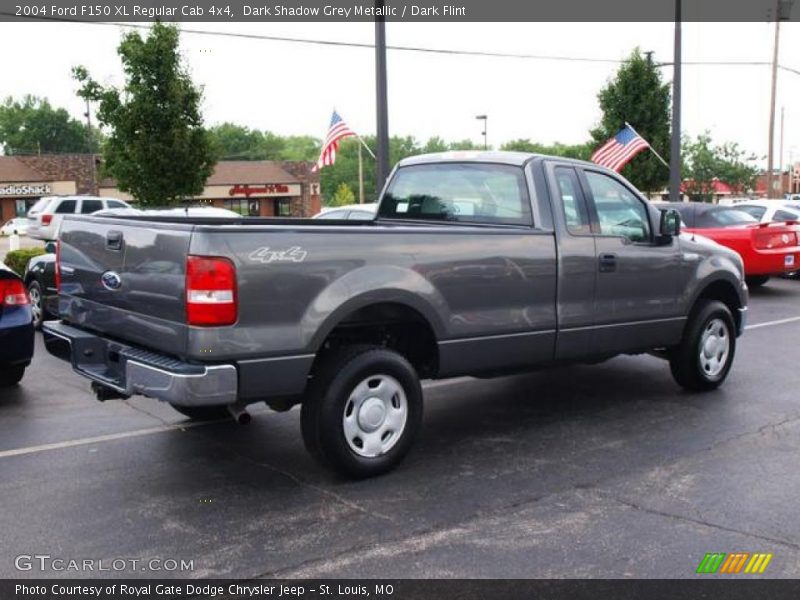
[
  {"x": 363, "y": 411},
  {"x": 702, "y": 360},
  {"x": 37, "y": 303},
  {"x": 11, "y": 376},
  {"x": 756, "y": 280},
  {"x": 203, "y": 413}
]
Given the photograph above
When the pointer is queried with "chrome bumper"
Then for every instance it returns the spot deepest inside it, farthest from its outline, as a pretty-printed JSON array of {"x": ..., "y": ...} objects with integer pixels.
[{"x": 129, "y": 370}]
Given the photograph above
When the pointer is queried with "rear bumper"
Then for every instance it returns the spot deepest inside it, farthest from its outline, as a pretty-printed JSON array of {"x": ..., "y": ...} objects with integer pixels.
[
  {"x": 130, "y": 370},
  {"x": 777, "y": 261},
  {"x": 16, "y": 336}
]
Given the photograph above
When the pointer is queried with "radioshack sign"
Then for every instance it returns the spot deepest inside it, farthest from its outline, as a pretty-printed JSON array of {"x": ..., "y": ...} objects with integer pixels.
[{"x": 24, "y": 189}]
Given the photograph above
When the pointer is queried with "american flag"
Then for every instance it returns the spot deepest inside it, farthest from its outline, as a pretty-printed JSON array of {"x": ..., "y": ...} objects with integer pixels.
[
  {"x": 337, "y": 130},
  {"x": 620, "y": 149}
]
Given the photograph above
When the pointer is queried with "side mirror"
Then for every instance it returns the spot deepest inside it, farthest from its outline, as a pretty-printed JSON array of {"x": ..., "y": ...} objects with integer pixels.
[
  {"x": 670, "y": 222},
  {"x": 50, "y": 247}
]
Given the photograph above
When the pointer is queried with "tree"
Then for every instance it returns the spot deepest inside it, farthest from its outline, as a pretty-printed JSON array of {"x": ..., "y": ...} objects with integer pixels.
[
  {"x": 580, "y": 151},
  {"x": 157, "y": 149},
  {"x": 343, "y": 196},
  {"x": 639, "y": 96},
  {"x": 32, "y": 126},
  {"x": 705, "y": 162}
]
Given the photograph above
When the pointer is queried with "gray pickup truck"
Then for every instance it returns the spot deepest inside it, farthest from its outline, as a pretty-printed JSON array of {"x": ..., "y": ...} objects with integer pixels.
[{"x": 476, "y": 264}]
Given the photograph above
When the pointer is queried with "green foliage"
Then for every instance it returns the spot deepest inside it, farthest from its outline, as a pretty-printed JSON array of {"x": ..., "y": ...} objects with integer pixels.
[
  {"x": 639, "y": 96},
  {"x": 17, "y": 260},
  {"x": 703, "y": 162},
  {"x": 235, "y": 142},
  {"x": 32, "y": 126},
  {"x": 343, "y": 196},
  {"x": 580, "y": 151},
  {"x": 158, "y": 149}
]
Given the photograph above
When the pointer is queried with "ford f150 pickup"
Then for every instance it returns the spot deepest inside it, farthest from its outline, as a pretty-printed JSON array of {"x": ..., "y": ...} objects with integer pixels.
[{"x": 475, "y": 264}]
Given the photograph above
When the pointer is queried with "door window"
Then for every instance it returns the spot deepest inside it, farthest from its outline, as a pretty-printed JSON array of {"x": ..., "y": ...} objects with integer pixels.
[
  {"x": 575, "y": 213},
  {"x": 90, "y": 206},
  {"x": 66, "y": 207},
  {"x": 619, "y": 212}
]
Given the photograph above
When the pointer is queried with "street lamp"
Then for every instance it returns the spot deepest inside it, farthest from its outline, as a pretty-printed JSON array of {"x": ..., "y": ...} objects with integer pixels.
[
  {"x": 782, "y": 10},
  {"x": 485, "y": 119}
]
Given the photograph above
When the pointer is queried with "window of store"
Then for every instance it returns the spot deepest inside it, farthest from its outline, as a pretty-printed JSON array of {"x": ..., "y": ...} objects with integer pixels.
[
  {"x": 283, "y": 207},
  {"x": 243, "y": 206}
]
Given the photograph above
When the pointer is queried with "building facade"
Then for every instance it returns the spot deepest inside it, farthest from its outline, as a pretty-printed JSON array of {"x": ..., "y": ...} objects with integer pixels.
[{"x": 251, "y": 188}]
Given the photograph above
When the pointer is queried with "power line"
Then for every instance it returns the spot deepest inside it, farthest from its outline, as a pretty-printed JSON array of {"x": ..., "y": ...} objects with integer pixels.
[{"x": 401, "y": 48}]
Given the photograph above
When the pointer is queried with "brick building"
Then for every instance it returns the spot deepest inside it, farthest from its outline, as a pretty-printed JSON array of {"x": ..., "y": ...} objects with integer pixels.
[{"x": 253, "y": 188}]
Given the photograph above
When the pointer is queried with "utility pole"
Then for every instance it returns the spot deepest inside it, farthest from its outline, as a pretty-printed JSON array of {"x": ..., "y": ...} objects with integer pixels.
[
  {"x": 381, "y": 102},
  {"x": 485, "y": 132},
  {"x": 780, "y": 156},
  {"x": 675, "y": 142},
  {"x": 89, "y": 145},
  {"x": 782, "y": 10}
]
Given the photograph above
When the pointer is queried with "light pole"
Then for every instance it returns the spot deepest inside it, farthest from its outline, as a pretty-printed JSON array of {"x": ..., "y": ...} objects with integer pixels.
[
  {"x": 782, "y": 10},
  {"x": 485, "y": 119},
  {"x": 381, "y": 103},
  {"x": 675, "y": 142}
]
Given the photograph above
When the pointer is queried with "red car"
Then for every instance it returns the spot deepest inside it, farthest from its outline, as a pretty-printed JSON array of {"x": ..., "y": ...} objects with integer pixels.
[{"x": 767, "y": 249}]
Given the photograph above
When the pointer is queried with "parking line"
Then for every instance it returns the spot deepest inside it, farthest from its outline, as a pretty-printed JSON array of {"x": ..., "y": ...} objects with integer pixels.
[
  {"x": 180, "y": 427},
  {"x": 101, "y": 438},
  {"x": 770, "y": 323}
]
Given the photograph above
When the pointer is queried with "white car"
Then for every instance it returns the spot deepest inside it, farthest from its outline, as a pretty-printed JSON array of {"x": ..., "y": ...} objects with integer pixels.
[
  {"x": 770, "y": 211},
  {"x": 44, "y": 217},
  {"x": 360, "y": 212},
  {"x": 12, "y": 226}
]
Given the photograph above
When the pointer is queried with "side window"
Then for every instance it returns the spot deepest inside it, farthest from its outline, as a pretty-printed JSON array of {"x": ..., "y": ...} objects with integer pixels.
[
  {"x": 116, "y": 204},
  {"x": 575, "y": 214},
  {"x": 66, "y": 207},
  {"x": 755, "y": 211},
  {"x": 783, "y": 215},
  {"x": 90, "y": 206},
  {"x": 619, "y": 211}
]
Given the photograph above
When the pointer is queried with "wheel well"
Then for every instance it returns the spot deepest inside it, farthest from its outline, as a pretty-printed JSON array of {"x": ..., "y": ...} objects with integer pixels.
[
  {"x": 725, "y": 293},
  {"x": 392, "y": 325}
]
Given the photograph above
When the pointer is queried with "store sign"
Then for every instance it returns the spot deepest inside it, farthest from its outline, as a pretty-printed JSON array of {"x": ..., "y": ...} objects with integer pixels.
[
  {"x": 269, "y": 189},
  {"x": 24, "y": 189}
]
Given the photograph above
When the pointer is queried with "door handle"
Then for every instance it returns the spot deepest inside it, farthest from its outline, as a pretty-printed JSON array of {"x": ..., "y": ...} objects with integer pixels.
[
  {"x": 608, "y": 263},
  {"x": 114, "y": 240}
]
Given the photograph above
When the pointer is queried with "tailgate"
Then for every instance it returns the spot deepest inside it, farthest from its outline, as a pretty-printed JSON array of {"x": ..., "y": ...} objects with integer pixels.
[{"x": 126, "y": 278}]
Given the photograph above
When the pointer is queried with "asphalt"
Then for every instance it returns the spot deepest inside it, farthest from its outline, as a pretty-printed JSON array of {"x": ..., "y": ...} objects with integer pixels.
[{"x": 592, "y": 471}]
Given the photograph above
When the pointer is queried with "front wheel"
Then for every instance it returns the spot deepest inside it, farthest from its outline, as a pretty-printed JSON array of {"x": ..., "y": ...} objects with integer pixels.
[
  {"x": 702, "y": 360},
  {"x": 37, "y": 303},
  {"x": 363, "y": 411}
]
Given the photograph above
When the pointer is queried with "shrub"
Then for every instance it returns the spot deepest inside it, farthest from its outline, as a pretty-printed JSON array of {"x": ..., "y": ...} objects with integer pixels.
[{"x": 17, "y": 260}]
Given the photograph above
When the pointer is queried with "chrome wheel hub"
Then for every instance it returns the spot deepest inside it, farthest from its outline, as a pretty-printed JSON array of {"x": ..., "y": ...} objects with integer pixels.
[
  {"x": 375, "y": 415},
  {"x": 36, "y": 304},
  {"x": 715, "y": 347}
]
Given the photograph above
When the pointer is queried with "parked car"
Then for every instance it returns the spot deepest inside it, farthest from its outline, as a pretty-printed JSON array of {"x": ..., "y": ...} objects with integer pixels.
[
  {"x": 767, "y": 249},
  {"x": 18, "y": 225},
  {"x": 16, "y": 328},
  {"x": 361, "y": 212},
  {"x": 45, "y": 216},
  {"x": 771, "y": 211},
  {"x": 477, "y": 264}
]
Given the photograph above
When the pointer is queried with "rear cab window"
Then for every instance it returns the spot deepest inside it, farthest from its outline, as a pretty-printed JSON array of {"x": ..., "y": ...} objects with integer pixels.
[{"x": 458, "y": 192}]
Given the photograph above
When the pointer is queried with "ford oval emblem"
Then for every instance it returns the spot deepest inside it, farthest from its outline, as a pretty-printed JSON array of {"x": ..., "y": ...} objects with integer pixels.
[{"x": 111, "y": 280}]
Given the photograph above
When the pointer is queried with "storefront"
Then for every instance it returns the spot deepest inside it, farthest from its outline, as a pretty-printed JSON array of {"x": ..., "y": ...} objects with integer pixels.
[{"x": 250, "y": 188}]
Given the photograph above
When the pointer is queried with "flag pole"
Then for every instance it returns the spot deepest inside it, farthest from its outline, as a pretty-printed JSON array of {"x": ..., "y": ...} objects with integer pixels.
[
  {"x": 363, "y": 143},
  {"x": 360, "y": 177},
  {"x": 658, "y": 156}
]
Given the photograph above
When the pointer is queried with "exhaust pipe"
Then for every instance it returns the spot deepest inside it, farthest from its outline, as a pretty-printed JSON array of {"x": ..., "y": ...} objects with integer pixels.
[
  {"x": 103, "y": 393},
  {"x": 239, "y": 414}
]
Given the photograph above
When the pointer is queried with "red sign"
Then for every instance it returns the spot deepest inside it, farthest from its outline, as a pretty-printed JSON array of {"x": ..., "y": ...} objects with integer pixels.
[{"x": 247, "y": 190}]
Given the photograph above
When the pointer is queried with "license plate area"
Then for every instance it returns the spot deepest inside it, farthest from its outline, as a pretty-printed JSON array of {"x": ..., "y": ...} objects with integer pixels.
[
  {"x": 99, "y": 360},
  {"x": 788, "y": 260}
]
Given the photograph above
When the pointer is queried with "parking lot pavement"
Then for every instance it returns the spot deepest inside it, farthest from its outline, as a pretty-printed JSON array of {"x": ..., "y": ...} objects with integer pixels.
[{"x": 590, "y": 471}]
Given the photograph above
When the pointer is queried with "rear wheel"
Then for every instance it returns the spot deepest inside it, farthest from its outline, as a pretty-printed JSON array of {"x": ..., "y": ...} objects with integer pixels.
[
  {"x": 11, "y": 376},
  {"x": 363, "y": 411},
  {"x": 37, "y": 303},
  {"x": 756, "y": 280},
  {"x": 203, "y": 413},
  {"x": 702, "y": 360}
]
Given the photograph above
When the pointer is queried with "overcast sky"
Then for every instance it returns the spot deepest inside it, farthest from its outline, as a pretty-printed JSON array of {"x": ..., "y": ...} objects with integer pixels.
[{"x": 291, "y": 88}]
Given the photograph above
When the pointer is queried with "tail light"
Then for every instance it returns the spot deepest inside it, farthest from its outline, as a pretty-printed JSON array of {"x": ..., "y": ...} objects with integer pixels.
[
  {"x": 46, "y": 219},
  {"x": 767, "y": 240},
  {"x": 211, "y": 298},
  {"x": 58, "y": 265},
  {"x": 13, "y": 293}
]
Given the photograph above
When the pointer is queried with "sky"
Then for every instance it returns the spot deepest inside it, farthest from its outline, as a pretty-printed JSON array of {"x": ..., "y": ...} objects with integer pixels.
[{"x": 291, "y": 88}]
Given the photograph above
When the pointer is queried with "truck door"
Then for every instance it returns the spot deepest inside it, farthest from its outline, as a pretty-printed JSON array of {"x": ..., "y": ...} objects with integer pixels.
[
  {"x": 635, "y": 304},
  {"x": 577, "y": 267}
]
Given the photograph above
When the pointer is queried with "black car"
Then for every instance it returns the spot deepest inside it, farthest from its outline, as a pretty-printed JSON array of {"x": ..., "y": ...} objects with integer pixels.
[
  {"x": 40, "y": 279},
  {"x": 16, "y": 327}
]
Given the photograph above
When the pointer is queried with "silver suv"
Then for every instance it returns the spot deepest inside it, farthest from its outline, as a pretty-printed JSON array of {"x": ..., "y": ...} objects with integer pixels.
[{"x": 45, "y": 216}]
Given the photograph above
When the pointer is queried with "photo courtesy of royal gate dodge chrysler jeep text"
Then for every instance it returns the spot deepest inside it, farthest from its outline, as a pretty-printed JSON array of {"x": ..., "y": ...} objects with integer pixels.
[{"x": 475, "y": 264}]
